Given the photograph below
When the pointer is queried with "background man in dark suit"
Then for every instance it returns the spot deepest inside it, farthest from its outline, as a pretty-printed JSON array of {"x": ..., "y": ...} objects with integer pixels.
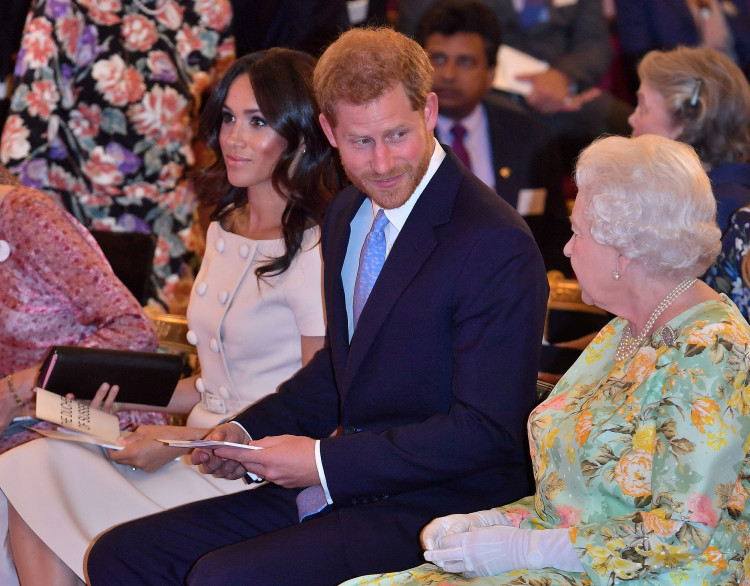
[
  {"x": 507, "y": 149},
  {"x": 429, "y": 386},
  {"x": 573, "y": 37}
]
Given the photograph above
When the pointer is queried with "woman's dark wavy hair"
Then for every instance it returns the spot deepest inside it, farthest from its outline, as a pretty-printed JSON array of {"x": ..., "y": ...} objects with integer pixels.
[{"x": 282, "y": 83}]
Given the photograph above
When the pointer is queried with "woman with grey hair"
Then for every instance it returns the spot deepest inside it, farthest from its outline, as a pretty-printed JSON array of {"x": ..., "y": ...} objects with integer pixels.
[
  {"x": 640, "y": 451},
  {"x": 700, "y": 97}
]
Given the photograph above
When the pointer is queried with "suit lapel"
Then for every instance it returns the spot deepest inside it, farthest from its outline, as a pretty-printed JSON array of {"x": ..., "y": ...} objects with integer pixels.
[
  {"x": 411, "y": 250},
  {"x": 338, "y": 329},
  {"x": 500, "y": 156}
]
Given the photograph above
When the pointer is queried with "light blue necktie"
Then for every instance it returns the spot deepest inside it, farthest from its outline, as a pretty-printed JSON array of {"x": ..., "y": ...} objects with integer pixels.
[
  {"x": 371, "y": 260},
  {"x": 312, "y": 500}
]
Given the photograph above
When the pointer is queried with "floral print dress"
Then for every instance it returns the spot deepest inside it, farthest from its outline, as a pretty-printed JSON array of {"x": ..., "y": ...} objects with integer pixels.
[
  {"x": 644, "y": 460},
  {"x": 725, "y": 275},
  {"x": 103, "y": 113}
]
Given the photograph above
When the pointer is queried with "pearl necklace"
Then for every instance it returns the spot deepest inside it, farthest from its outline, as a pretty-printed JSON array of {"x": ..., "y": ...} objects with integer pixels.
[
  {"x": 627, "y": 346},
  {"x": 152, "y": 11}
]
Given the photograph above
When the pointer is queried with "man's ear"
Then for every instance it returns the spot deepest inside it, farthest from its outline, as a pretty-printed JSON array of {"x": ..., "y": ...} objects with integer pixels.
[
  {"x": 491, "y": 76},
  {"x": 431, "y": 111},
  {"x": 327, "y": 130}
]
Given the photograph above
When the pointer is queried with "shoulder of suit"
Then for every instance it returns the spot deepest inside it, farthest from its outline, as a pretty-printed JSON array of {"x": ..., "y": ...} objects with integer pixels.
[{"x": 498, "y": 106}]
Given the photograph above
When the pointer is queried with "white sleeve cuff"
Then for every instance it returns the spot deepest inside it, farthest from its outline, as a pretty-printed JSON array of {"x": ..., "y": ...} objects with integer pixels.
[
  {"x": 321, "y": 473},
  {"x": 249, "y": 437}
]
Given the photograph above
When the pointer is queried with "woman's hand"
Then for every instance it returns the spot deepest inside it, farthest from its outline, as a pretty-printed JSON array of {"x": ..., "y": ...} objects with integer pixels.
[
  {"x": 484, "y": 551},
  {"x": 143, "y": 451},
  {"x": 452, "y": 524},
  {"x": 104, "y": 399}
]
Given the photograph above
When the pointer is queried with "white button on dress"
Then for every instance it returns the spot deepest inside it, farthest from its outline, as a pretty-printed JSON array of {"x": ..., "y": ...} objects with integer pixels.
[
  {"x": 192, "y": 337},
  {"x": 202, "y": 288}
]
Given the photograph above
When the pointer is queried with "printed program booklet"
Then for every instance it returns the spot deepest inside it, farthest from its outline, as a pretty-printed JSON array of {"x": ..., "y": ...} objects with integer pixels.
[{"x": 76, "y": 421}]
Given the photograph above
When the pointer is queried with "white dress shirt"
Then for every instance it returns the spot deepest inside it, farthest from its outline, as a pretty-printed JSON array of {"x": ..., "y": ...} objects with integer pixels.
[{"x": 360, "y": 227}]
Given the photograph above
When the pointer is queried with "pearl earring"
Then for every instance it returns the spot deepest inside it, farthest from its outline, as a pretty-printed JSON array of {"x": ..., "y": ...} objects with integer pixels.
[{"x": 616, "y": 275}]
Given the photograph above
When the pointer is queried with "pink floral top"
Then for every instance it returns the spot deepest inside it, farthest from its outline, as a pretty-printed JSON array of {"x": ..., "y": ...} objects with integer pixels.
[{"x": 56, "y": 288}]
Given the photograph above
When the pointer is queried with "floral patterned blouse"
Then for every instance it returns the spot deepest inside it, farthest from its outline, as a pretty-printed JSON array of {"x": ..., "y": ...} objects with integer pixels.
[
  {"x": 57, "y": 287},
  {"x": 102, "y": 117},
  {"x": 644, "y": 460},
  {"x": 725, "y": 275}
]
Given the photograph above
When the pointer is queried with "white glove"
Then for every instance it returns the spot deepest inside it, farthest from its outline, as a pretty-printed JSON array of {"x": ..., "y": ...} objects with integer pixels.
[
  {"x": 442, "y": 526},
  {"x": 485, "y": 551}
]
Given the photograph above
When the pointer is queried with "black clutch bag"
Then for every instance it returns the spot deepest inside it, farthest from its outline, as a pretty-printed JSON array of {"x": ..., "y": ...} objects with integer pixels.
[{"x": 148, "y": 378}]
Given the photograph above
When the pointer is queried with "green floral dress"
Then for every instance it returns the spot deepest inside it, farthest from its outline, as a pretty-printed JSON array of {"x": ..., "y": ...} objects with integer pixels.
[{"x": 645, "y": 461}]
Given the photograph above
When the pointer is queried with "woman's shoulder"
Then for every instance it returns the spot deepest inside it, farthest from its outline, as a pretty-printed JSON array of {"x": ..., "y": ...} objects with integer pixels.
[
  {"x": 731, "y": 175},
  {"x": 712, "y": 322},
  {"x": 28, "y": 206},
  {"x": 20, "y": 196}
]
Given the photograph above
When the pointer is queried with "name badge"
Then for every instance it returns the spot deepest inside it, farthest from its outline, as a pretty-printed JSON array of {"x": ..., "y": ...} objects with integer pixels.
[{"x": 531, "y": 202}]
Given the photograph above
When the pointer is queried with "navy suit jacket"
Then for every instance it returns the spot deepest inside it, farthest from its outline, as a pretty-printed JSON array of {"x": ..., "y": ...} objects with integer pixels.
[
  {"x": 525, "y": 156},
  {"x": 432, "y": 395},
  {"x": 574, "y": 38}
]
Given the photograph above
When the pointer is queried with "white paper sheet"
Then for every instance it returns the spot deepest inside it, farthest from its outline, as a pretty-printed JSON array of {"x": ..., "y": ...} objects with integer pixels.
[{"x": 512, "y": 62}]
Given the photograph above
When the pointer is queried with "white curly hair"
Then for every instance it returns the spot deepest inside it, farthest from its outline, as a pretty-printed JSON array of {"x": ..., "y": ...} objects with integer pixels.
[{"x": 650, "y": 199}]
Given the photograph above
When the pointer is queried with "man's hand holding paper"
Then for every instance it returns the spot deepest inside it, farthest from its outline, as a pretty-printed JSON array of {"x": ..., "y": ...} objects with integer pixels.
[
  {"x": 222, "y": 466},
  {"x": 286, "y": 460}
]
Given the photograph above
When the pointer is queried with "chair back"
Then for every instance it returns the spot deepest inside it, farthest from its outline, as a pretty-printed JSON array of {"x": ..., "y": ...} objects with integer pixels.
[{"x": 131, "y": 255}]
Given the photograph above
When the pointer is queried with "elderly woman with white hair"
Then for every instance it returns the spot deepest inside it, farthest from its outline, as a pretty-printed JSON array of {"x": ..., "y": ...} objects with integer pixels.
[{"x": 640, "y": 452}]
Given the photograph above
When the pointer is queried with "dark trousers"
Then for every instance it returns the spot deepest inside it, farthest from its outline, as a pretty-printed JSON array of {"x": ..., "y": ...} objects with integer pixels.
[{"x": 252, "y": 537}]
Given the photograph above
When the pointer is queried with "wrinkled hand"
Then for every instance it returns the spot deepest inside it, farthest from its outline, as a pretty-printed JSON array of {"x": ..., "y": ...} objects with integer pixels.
[
  {"x": 286, "y": 460},
  {"x": 452, "y": 524},
  {"x": 550, "y": 93},
  {"x": 143, "y": 451},
  {"x": 548, "y": 90},
  {"x": 222, "y": 467}
]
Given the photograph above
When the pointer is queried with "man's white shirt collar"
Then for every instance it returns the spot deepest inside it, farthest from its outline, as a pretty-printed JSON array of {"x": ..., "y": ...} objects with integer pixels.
[{"x": 397, "y": 216}]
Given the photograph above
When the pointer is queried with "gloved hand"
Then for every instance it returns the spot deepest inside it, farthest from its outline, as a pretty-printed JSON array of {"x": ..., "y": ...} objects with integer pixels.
[
  {"x": 485, "y": 551},
  {"x": 442, "y": 526}
]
